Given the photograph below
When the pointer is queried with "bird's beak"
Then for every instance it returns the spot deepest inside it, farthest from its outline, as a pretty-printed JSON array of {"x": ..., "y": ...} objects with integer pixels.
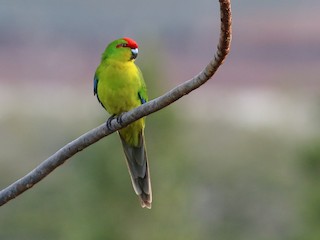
[{"x": 134, "y": 52}]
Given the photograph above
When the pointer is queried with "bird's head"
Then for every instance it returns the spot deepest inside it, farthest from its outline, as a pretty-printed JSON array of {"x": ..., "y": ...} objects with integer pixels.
[{"x": 123, "y": 49}]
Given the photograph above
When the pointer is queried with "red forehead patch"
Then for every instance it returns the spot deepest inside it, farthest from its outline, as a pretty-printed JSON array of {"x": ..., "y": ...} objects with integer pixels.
[{"x": 131, "y": 42}]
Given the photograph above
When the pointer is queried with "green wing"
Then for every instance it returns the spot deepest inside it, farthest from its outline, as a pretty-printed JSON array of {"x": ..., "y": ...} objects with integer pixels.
[
  {"x": 143, "y": 96},
  {"x": 95, "y": 89}
]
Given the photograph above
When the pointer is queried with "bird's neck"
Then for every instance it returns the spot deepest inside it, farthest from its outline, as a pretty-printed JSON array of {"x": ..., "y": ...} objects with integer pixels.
[{"x": 119, "y": 63}]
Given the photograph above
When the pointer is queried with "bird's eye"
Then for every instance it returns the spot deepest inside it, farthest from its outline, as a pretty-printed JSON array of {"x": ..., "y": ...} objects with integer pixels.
[{"x": 122, "y": 45}]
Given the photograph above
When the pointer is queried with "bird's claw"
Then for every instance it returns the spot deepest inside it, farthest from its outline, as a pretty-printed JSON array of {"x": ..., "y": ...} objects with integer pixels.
[
  {"x": 118, "y": 118},
  {"x": 108, "y": 122}
]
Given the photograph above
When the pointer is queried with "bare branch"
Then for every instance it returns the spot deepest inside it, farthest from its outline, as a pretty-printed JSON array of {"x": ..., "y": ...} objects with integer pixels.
[{"x": 47, "y": 166}]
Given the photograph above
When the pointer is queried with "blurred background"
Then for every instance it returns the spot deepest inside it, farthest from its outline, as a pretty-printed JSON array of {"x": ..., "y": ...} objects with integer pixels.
[{"x": 238, "y": 158}]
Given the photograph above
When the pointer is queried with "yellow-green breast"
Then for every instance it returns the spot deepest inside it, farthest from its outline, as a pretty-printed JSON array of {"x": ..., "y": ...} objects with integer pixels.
[{"x": 118, "y": 88}]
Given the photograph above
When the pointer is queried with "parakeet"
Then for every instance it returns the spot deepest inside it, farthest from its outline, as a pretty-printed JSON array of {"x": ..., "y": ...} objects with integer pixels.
[{"x": 120, "y": 87}]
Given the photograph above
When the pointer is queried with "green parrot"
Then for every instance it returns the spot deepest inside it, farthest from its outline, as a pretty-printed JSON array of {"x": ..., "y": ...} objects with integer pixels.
[{"x": 120, "y": 87}]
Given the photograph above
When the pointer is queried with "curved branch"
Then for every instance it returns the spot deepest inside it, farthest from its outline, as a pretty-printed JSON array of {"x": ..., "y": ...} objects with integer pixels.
[{"x": 51, "y": 163}]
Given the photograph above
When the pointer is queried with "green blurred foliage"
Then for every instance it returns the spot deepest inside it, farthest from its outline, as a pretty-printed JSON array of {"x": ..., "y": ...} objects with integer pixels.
[
  {"x": 309, "y": 166},
  {"x": 209, "y": 178}
]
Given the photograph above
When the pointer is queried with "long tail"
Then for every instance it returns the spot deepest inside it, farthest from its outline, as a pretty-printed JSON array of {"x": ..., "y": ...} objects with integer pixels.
[{"x": 137, "y": 162}]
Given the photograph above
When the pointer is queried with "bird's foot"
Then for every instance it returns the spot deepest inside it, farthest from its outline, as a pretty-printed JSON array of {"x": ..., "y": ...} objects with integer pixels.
[
  {"x": 113, "y": 116},
  {"x": 119, "y": 118},
  {"x": 108, "y": 122}
]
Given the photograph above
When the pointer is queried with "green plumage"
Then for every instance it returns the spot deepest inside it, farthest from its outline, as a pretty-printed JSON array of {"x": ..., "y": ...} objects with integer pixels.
[{"x": 120, "y": 87}]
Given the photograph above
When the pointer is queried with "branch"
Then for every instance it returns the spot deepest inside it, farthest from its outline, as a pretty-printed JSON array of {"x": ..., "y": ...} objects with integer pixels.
[{"x": 66, "y": 152}]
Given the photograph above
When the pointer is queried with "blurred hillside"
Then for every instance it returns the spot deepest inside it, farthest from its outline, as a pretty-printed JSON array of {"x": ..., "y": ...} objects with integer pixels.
[
  {"x": 238, "y": 158},
  {"x": 61, "y": 41}
]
